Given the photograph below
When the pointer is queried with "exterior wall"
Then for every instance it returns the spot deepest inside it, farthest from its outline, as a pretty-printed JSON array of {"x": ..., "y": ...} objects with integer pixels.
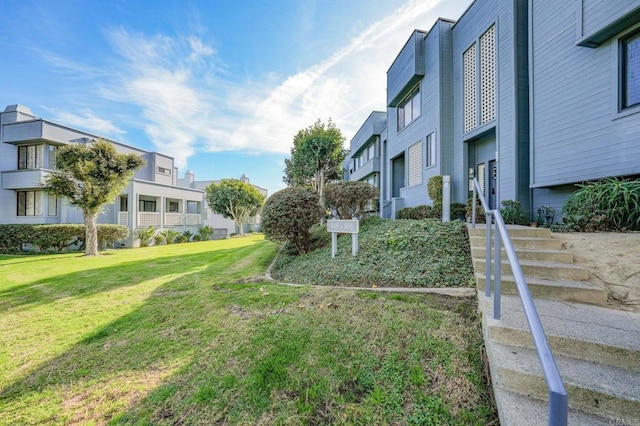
[
  {"x": 577, "y": 131},
  {"x": 510, "y": 137}
]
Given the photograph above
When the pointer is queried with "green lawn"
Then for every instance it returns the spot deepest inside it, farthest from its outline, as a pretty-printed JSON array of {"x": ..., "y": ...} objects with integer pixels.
[{"x": 188, "y": 334}]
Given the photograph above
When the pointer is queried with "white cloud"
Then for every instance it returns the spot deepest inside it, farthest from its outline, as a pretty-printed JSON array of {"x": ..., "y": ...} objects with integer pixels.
[
  {"x": 88, "y": 122},
  {"x": 186, "y": 106}
]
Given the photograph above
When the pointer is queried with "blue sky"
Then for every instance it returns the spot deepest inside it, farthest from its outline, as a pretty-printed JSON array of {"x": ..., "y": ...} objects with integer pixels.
[{"x": 222, "y": 86}]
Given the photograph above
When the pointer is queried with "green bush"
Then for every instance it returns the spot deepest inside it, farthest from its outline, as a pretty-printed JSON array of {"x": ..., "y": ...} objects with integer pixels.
[
  {"x": 196, "y": 238},
  {"x": 288, "y": 215},
  {"x": 206, "y": 232},
  {"x": 351, "y": 199},
  {"x": 416, "y": 213},
  {"x": 170, "y": 235},
  {"x": 181, "y": 238},
  {"x": 55, "y": 236},
  {"x": 608, "y": 205},
  {"x": 458, "y": 211},
  {"x": 480, "y": 213},
  {"x": 187, "y": 233},
  {"x": 434, "y": 189},
  {"x": 145, "y": 235},
  {"x": 159, "y": 240},
  {"x": 513, "y": 213}
]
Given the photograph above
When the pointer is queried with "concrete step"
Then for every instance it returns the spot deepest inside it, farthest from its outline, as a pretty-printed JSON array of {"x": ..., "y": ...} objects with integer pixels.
[
  {"x": 522, "y": 243},
  {"x": 593, "y": 388},
  {"x": 515, "y": 231},
  {"x": 517, "y": 410},
  {"x": 570, "y": 291},
  {"x": 547, "y": 270},
  {"x": 591, "y": 333},
  {"x": 545, "y": 255}
]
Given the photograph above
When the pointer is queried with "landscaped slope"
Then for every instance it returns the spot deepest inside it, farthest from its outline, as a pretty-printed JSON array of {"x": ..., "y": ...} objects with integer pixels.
[{"x": 410, "y": 253}]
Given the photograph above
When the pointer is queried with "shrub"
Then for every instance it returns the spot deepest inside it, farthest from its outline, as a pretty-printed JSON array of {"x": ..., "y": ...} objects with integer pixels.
[
  {"x": 187, "y": 233},
  {"x": 434, "y": 189},
  {"x": 144, "y": 235},
  {"x": 111, "y": 234},
  {"x": 196, "y": 238},
  {"x": 205, "y": 232},
  {"x": 458, "y": 211},
  {"x": 480, "y": 213},
  {"x": 608, "y": 205},
  {"x": 288, "y": 215},
  {"x": 416, "y": 213},
  {"x": 351, "y": 199},
  {"x": 170, "y": 235},
  {"x": 160, "y": 240},
  {"x": 181, "y": 238},
  {"x": 405, "y": 213},
  {"x": 513, "y": 213}
]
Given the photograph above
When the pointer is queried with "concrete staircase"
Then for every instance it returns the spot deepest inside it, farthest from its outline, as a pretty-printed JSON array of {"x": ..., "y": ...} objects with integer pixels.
[{"x": 597, "y": 349}]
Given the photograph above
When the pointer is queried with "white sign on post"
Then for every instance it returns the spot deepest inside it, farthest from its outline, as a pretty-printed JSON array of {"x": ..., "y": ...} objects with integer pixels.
[{"x": 346, "y": 227}]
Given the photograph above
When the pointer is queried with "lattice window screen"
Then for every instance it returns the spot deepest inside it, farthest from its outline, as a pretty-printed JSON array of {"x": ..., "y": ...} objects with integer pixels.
[
  {"x": 488, "y": 75},
  {"x": 415, "y": 164},
  {"x": 469, "y": 89}
]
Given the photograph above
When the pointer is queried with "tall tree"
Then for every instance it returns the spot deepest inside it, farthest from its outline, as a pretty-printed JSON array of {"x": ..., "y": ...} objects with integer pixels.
[
  {"x": 316, "y": 157},
  {"x": 234, "y": 199},
  {"x": 90, "y": 176}
]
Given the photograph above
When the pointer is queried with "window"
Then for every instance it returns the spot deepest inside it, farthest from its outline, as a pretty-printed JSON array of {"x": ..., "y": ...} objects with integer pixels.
[
  {"x": 52, "y": 206},
  {"x": 415, "y": 164},
  {"x": 30, "y": 157},
  {"x": 173, "y": 206},
  {"x": 431, "y": 150},
  {"x": 124, "y": 204},
  {"x": 164, "y": 171},
  {"x": 409, "y": 109},
  {"x": 53, "y": 161},
  {"x": 371, "y": 151},
  {"x": 147, "y": 206},
  {"x": 630, "y": 70},
  {"x": 29, "y": 203}
]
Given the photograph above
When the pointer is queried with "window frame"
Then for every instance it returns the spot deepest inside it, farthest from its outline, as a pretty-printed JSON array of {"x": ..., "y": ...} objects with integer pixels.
[
  {"x": 431, "y": 159},
  {"x": 412, "y": 99},
  {"x": 36, "y": 209},
  {"x": 633, "y": 35},
  {"x": 23, "y": 157}
]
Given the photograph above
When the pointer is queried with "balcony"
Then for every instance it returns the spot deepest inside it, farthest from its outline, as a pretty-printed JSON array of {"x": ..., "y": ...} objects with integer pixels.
[
  {"x": 146, "y": 219},
  {"x": 173, "y": 219},
  {"x": 193, "y": 219},
  {"x": 22, "y": 179},
  {"x": 123, "y": 218},
  {"x": 371, "y": 166}
]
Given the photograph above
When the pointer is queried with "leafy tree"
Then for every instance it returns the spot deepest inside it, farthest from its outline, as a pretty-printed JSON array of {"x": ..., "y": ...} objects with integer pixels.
[
  {"x": 316, "y": 157},
  {"x": 288, "y": 216},
  {"x": 351, "y": 199},
  {"x": 234, "y": 199},
  {"x": 91, "y": 176}
]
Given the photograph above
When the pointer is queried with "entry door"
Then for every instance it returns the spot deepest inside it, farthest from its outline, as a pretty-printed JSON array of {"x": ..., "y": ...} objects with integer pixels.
[{"x": 488, "y": 180}]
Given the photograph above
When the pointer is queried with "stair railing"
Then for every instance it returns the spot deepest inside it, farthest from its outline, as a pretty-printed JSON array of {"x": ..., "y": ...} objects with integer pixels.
[{"x": 558, "y": 401}]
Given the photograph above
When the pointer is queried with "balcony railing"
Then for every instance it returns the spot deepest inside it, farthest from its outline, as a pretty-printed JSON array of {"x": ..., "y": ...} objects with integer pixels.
[
  {"x": 173, "y": 219},
  {"x": 123, "y": 218},
  {"x": 148, "y": 219},
  {"x": 193, "y": 219}
]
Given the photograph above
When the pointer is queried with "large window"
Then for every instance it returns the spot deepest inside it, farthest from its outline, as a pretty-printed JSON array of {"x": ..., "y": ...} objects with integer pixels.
[
  {"x": 409, "y": 109},
  {"x": 30, "y": 157},
  {"x": 52, "y": 209},
  {"x": 415, "y": 164},
  {"x": 630, "y": 70},
  {"x": 147, "y": 206},
  {"x": 29, "y": 203}
]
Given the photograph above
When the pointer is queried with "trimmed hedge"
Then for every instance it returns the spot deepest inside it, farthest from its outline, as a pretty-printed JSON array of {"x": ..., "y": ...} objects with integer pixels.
[{"x": 55, "y": 237}]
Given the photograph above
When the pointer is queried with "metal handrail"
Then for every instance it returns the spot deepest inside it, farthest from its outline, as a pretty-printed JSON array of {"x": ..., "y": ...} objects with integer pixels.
[{"x": 558, "y": 401}]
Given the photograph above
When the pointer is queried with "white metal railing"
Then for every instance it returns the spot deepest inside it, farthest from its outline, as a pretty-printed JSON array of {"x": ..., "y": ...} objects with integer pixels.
[
  {"x": 123, "y": 218},
  {"x": 173, "y": 219},
  {"x": 558, "y": 401},
  {"x": 193, "y": 219},
  {"x": 148, "y": 219}
]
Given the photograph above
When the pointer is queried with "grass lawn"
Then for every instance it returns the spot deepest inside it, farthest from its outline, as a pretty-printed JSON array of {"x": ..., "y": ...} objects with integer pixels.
[{"x": 187, "y": 334}]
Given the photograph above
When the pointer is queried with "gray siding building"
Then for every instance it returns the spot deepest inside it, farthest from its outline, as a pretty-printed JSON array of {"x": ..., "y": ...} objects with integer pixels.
[{"x": 531, "y": 97}]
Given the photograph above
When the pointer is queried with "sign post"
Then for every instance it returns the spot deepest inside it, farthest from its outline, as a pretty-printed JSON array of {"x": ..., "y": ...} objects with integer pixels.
[{"x": 345, "y": 227}]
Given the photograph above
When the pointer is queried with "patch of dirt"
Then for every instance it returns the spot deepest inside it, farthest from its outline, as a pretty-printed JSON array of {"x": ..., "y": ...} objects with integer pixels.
[{"x": 613, "y": 260}]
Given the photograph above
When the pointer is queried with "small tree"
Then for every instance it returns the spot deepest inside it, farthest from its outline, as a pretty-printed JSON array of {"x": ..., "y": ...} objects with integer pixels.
[
  {"x": 234, "y": 199},
  {"x": 316, "y": 157},
  {"x": 289, "y": 214},
  {"x": 350, "y": 199},
  {"x": 91, "y": 176}
]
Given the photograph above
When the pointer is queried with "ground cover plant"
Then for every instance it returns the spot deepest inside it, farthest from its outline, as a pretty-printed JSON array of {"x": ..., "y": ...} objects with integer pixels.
[
  {"x": 189, "y": 334},
  {"x": 420, "y": 253}
]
